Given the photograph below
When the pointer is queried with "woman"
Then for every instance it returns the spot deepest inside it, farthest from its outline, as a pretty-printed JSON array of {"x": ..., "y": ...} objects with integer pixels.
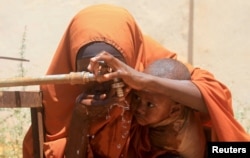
[
  {"x": 116, "y": 27},
  {"x": 101, "y": 23}
]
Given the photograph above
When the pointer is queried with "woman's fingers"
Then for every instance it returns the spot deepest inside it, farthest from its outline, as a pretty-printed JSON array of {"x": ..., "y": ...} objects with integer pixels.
[
  {"x": 119, "y": 70},
  {"x": 89, "y": 99},
  {"x": 92, "y": 102},
  {"x": 94, "y": 65}
]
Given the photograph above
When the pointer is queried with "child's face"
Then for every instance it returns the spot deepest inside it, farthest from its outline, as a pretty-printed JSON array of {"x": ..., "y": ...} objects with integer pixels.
[{"x": 151, "y": 108}]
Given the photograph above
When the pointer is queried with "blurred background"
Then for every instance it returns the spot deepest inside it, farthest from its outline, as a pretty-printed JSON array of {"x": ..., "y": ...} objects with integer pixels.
[{"x": 211, "y": 34}]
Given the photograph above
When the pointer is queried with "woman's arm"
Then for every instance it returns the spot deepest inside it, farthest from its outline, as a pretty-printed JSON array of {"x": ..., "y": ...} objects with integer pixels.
[{"x": 182, "y": 91}]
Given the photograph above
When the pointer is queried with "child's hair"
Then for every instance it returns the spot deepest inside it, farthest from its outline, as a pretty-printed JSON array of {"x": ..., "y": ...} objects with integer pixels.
[{"x": 168, "y": 68}]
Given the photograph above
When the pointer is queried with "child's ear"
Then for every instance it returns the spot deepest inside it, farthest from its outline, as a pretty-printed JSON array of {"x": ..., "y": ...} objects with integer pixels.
[
  {"x": 175, "y": 110},
  {"x": 176, "y": 113}
]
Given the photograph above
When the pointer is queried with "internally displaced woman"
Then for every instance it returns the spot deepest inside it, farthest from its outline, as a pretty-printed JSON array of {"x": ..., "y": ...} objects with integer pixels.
[{"x": 116, "y": 27}]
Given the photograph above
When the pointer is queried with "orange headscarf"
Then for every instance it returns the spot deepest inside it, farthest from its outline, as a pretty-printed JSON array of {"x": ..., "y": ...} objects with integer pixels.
[{"x": 111, "y": 24}]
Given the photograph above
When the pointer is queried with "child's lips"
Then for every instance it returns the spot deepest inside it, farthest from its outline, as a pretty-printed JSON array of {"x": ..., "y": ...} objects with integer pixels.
[{"x": 139, "y": 118}]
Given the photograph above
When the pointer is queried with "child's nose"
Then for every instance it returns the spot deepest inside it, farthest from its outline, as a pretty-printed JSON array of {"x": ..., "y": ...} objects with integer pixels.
[{"x": 141, "y": 108}]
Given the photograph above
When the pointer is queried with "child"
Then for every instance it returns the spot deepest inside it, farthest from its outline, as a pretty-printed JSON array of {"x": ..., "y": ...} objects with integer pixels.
[{"x": 173, "y": 127}]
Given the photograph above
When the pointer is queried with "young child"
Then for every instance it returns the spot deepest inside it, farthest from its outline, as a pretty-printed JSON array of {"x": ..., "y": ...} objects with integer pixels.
[{"x": 173, "y": 127}]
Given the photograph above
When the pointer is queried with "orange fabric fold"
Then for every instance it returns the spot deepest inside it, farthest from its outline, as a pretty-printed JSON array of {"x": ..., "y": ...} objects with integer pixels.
[{"x": 223, "y": 124}]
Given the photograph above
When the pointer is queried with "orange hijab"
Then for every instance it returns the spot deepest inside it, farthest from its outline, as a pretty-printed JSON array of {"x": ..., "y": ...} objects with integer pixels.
[
  {"x": 111, "y": 24},
  {"x": 106, "y": 23}
]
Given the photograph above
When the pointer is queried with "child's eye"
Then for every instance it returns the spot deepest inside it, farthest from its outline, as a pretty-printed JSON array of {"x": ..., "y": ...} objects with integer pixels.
[{"x": 150, "y": 105}]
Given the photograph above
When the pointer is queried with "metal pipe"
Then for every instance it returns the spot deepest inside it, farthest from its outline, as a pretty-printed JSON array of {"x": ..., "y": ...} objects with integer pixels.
[{"x": 71, "y": 78}]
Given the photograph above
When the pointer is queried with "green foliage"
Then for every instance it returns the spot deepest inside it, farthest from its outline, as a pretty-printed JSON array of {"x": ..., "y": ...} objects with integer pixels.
[{"x": 21, "y": 53}]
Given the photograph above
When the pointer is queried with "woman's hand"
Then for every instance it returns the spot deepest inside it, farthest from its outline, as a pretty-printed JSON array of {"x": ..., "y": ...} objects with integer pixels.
[
  {"x": 90, "y": 99},
  {"x": 101, "y": 99},
  {"x": 131, "y": 77}
]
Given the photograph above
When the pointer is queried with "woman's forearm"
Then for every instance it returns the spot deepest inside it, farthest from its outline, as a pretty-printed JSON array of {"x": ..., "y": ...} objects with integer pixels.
[{"x": 182, "y": 91}]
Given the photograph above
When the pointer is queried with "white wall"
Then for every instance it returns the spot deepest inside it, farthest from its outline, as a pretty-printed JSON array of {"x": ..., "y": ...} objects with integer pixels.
[{"x": 222, "y": 45}]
